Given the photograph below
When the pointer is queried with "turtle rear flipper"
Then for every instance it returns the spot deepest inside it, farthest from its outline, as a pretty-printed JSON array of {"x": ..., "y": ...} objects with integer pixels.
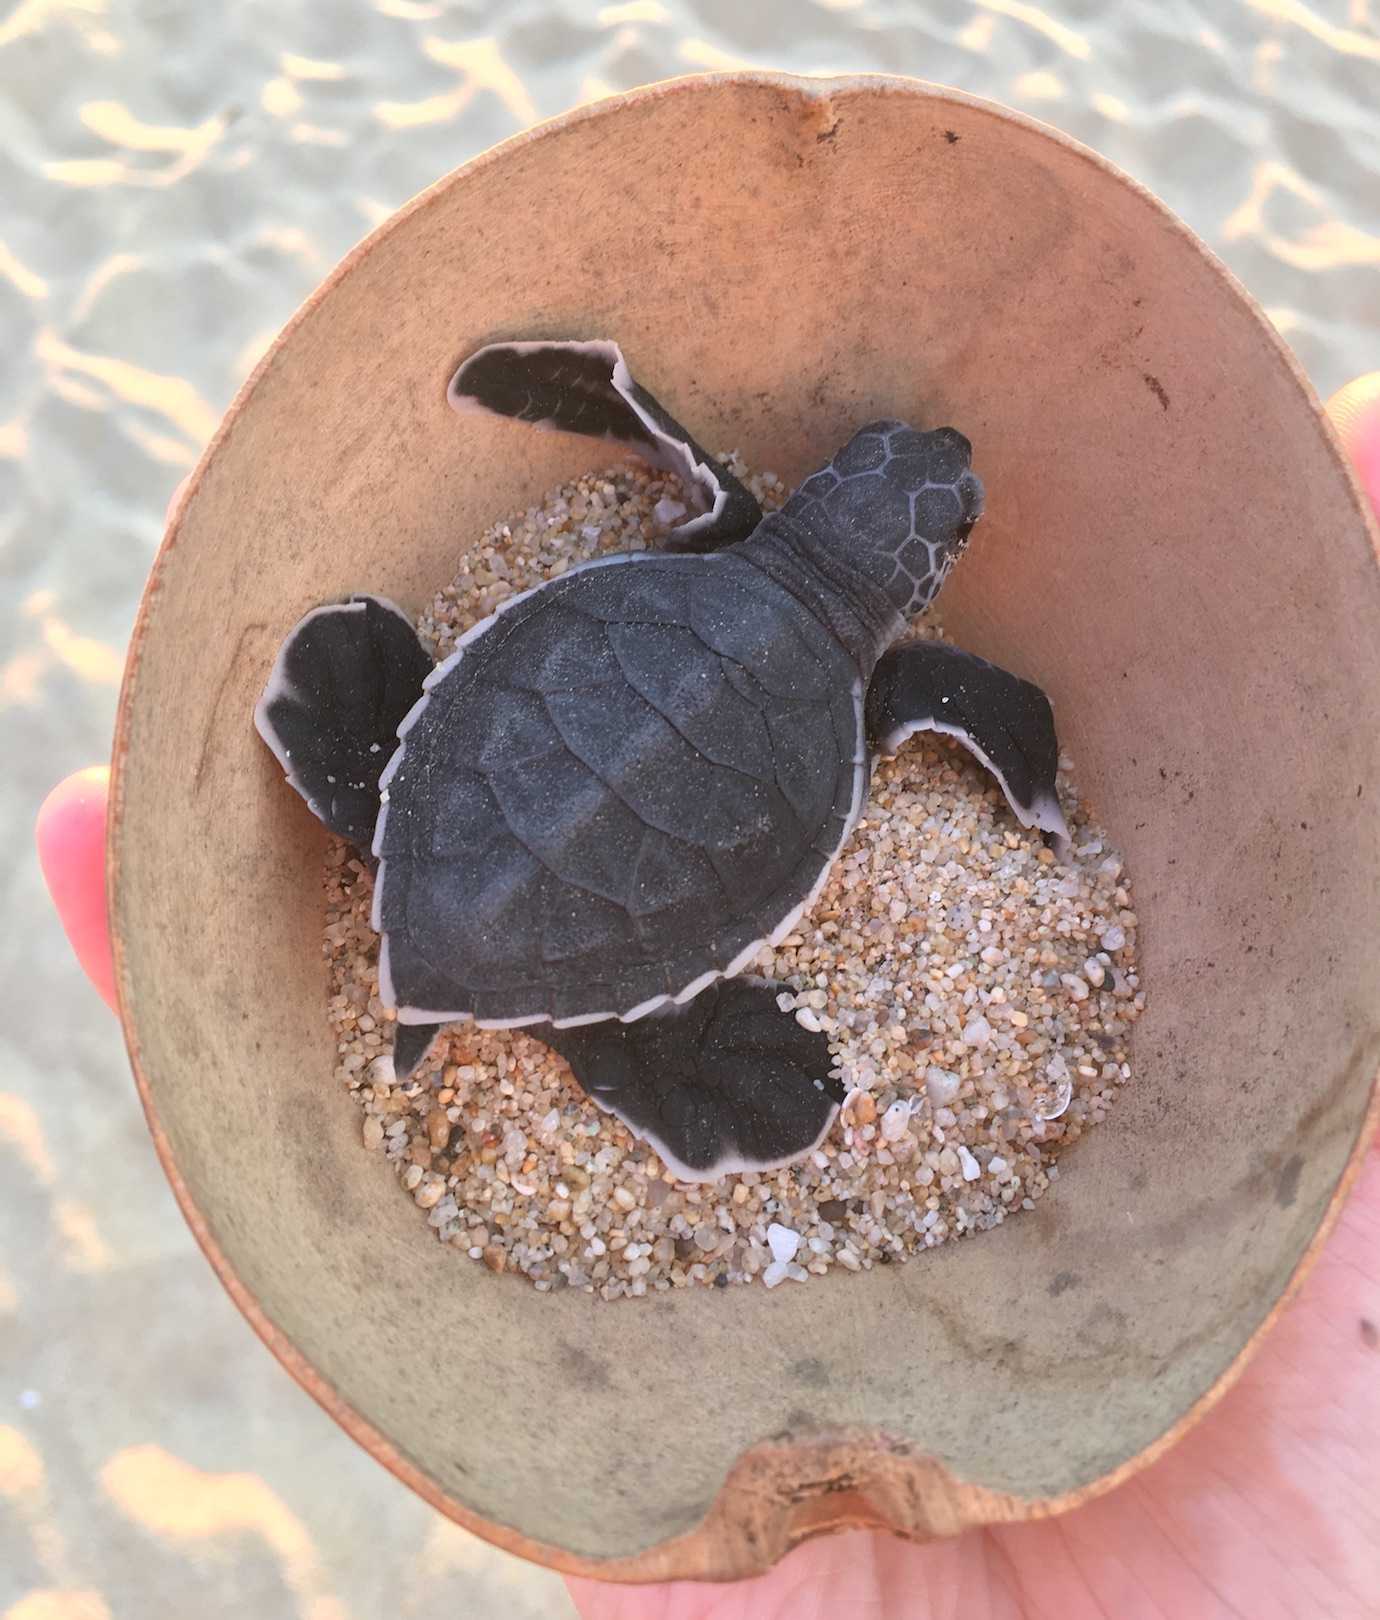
[
  {"x": 725, "y": 1083},
  {"x": 1005, "y": 721},
  {"x": 339, "y": 689},
  {"x": 587, "y": 388},
  {"x": 411, "y": 1042}
]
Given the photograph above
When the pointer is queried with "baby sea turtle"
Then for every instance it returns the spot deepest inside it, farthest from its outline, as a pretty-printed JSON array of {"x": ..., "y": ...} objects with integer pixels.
[{"x": 592, "y": 815}]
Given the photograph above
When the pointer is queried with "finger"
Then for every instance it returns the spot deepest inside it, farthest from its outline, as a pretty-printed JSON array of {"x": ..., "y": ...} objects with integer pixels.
[
  {"x": 70, "y": 833},
  {"x": 863, "y": 1573},
  {"x": 71, "y": 850},
  {"x": 1355, "y": 413}
]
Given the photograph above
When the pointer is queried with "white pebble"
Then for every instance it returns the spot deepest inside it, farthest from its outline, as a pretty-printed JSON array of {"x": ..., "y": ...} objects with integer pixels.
[
  {"x": 997, "y": 1165},
  {"x": 785, "y": 1001},
  {"x": 808, "y": 1018},
  {"x": 550, "y": 1122},
  {"x": 1094, "y": 973},
  {"x": 783, "y": 1243},
  {"x": 896, "y": 1121},
  {"x": 1076, "y": 987},
  {"x": 977, "y": 1032},
  {"x": 667, "y": 511},
  {"x": 707, "y": 1237},
  {"x": 775, "y": 1273},
  {"x": 1114, "y": 938},
  {"x": 968, "y": 1164},
  {"x": 941, "y": 1085}
]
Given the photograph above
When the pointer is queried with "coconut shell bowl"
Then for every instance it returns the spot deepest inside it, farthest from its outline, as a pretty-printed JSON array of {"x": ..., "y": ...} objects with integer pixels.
[{"x": 1174, "y": 544}]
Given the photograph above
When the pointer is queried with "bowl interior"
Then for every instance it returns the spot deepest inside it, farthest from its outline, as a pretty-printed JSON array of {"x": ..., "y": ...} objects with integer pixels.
[{"x": 1173, "y": 549}]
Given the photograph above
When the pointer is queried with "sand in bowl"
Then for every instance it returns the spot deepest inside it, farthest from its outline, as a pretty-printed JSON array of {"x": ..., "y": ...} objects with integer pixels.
[{"x": 977, "y": 994}]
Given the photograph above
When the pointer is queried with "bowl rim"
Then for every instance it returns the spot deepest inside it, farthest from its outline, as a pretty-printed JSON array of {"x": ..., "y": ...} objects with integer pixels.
[{"x": 845, "y": 1479}]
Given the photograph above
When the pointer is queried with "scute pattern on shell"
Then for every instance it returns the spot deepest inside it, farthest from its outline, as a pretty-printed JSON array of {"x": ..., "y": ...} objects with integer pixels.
[{"x": 623, "y": 782}]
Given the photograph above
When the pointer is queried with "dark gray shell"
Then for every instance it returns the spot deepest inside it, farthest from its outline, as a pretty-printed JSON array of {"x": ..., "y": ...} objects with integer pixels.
[{"x": 620, "y": 785}]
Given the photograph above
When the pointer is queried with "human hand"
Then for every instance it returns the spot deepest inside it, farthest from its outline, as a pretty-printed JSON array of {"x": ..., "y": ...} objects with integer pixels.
[{"x": 1269, "y": 1507}]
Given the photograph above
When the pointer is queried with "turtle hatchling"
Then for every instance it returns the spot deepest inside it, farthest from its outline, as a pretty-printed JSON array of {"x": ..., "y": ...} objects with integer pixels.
[{"x": 590, "y": 818}]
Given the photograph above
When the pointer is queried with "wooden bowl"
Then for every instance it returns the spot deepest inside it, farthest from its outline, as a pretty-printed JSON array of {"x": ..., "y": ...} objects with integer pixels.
[{"x": 1175, "y": 548}]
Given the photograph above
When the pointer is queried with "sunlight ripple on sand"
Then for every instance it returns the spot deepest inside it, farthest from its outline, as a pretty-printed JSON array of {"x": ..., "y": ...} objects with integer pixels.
[
  {"x": 175, "y": 1499},
  {"x": 1346, "y": 41},
  {"x": 1073, "y": 44},
  {"x": 59, "y": 1603},
  {"x": 699, "y": 53},
  {"x": 633, "y": 11},
  {"x": 1326, "y": 244},
  {"x": 20, "y": 1127},
  {"x": 481, "y": 65},
  {"x": 25, "y": 281},
  {"x": 173, "y": 398},
  {"x": 29, "y": 16}
]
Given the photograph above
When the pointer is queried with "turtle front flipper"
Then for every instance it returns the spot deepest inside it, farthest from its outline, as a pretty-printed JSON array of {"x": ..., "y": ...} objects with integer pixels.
[
  {"x": 725, "y": 1083},
  {"x": 1005, "y": 721},
  {"x": 587, "y": 388},
  {"x": 340, "y": 687}
]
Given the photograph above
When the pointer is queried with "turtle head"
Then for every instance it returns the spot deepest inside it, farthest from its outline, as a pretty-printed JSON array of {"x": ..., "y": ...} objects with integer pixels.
[{"x": 896, "y": 504}]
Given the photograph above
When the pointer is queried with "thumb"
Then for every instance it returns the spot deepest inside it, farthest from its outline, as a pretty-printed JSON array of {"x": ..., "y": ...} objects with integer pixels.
[{"x": 71, "y": 850}]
